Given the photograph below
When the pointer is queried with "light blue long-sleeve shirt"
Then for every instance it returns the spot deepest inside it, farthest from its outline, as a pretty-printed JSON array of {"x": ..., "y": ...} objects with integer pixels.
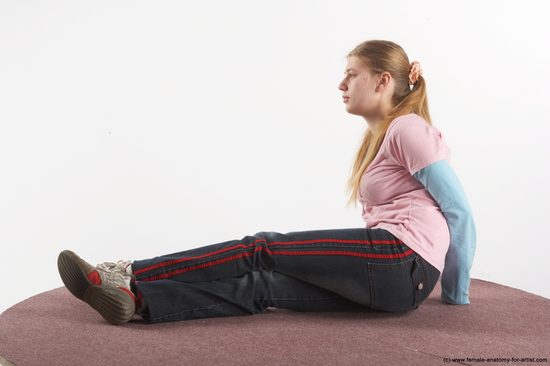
[{"x": 441, "y": 182}]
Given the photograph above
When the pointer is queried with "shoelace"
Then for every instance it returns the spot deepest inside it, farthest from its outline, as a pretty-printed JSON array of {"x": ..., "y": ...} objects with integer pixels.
[{"x": 115, "y": 274}]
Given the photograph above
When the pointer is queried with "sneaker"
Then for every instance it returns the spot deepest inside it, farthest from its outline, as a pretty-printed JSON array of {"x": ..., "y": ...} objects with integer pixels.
[{"x": 106, "y": 287}]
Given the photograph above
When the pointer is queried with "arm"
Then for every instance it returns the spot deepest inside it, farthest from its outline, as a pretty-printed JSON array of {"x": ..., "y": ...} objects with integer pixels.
[{"x": 442, "y": 183}]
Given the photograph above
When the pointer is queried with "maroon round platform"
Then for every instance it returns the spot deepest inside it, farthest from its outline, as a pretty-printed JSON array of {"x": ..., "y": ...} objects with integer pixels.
[{"x": 54, "y": 328}]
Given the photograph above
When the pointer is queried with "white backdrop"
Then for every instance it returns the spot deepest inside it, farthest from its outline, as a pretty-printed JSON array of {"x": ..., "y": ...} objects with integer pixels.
[{"x": 130, "y": 129}]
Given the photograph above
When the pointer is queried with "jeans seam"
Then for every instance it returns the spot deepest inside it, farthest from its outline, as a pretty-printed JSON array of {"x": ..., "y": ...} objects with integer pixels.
[
  {"x": 186, "y": 311},
  {"x": 298, "y": 299},
  {"x": 424, "y": 280},
  {"x": 371, "y": 290}
]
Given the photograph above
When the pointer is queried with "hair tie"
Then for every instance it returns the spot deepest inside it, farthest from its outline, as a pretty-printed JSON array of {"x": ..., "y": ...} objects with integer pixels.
[{"x": 415, "y": 72}]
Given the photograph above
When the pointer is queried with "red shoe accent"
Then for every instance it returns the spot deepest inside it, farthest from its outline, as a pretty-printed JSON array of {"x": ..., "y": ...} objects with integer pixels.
[
  {"x": 129, "y": 293},
  {"x": 94, "y": 278}
]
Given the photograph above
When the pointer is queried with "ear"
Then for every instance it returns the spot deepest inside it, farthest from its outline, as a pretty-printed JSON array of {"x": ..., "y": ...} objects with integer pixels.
[{"x": 383, "y": 81}]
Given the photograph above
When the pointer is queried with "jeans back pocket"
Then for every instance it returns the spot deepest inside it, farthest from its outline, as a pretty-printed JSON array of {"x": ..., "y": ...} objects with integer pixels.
[{"x": 393, "y": 286}]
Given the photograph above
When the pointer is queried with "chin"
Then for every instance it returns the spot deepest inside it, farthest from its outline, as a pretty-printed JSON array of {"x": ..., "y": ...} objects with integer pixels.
[{"x": 351, "y": 111}]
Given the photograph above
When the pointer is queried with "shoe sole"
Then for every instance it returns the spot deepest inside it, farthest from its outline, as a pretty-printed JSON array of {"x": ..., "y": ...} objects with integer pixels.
[
  {"x": 112, "y": 303},
  {"x": 72, "y": 274}
]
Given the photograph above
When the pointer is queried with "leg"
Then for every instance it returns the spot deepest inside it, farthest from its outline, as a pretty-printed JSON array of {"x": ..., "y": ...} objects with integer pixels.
[
  {"x": 306, "y": 270},
  {"x": 250, "y": 293}
]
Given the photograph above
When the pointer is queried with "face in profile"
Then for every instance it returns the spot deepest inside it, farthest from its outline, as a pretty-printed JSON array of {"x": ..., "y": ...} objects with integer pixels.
[{"x": 358, "y": 87}]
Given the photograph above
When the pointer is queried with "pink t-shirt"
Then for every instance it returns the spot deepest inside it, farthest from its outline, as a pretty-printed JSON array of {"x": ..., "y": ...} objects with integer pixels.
[{"x": 394, "y": 200}]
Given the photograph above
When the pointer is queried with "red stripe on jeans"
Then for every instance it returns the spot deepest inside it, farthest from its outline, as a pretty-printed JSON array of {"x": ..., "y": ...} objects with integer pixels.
[
  {"x": 313, "y": 241},
  {"x": 302, "y": 253}
]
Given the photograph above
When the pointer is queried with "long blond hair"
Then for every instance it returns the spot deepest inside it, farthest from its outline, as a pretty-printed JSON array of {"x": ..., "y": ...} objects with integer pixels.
[{"x": 380, "y": 56}]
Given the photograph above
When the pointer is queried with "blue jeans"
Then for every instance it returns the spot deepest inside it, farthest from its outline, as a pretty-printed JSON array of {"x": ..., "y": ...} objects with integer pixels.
[{"x": 354, "y": 269}]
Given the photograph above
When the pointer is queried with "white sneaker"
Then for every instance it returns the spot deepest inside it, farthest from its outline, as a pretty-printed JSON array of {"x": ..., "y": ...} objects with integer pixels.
[
  {"x": 106, "y": 287},
  {"x": 117, "y": 274}
]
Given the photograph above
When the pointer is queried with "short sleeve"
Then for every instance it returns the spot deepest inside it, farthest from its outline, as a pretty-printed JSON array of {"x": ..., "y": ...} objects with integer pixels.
[{"x": 415, "y": 144}]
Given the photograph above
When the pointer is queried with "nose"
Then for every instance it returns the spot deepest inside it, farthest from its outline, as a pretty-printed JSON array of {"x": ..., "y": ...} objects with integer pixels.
[{"x": 342, "y": 86}]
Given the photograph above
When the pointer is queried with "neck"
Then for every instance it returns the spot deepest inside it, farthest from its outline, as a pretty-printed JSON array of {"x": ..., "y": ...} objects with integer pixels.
[
  {"x": 375, "y": 119},
  {"x": 374, "y": 122}
]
